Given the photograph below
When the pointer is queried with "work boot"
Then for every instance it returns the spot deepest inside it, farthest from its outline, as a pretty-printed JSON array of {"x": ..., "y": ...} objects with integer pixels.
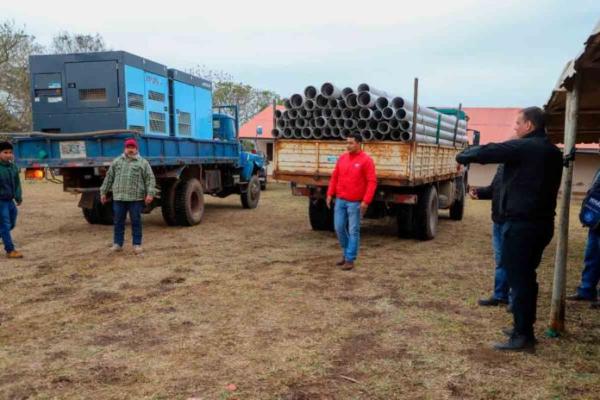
[
  {"x": 137, "y": 249},
  {"x": 517, "y": 343},
  {"x": 116, "y": 248},
  {"x": 595, "y": 305},
  {"x": 14, "y": 254},
  {"x": 578, "y": 297},
  {"x": 492, "y": 301},
  {"x": 341, "y": 262},
  {"x": 348, "y": 265}
]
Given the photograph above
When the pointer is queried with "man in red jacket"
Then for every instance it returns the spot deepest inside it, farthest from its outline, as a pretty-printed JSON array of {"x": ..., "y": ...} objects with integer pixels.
[{"x": 353, "y": 184}]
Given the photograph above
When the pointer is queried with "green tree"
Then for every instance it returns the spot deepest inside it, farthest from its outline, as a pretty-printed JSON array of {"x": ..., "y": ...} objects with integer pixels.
[
  {"x": 15, "y": 105},
  {"x": 226, "y": 91}
]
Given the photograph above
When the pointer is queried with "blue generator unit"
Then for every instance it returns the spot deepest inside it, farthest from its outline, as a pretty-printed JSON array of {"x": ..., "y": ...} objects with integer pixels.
[
  {"x": 117, "y": 90},
  {"x": 191, "y": 105}
]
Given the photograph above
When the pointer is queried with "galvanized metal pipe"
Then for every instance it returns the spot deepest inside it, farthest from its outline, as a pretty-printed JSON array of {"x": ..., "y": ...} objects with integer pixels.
[
  {"x": 321, "y": 101},
  {"x": 287, "y": 104},
  {"x": 377, "y": 115},
  {"x": 347, "y": 114},
  {"x": 335, "y": 132},
  {"x": 327, "y": 113},
  {"x": 309, "y": 104},
  {"x": 276, "y": 133},
  {"x": 297, "y": 133},
  {"x": 381, "y": 103},
  {"x": 297, "y": 100},
  {"x": 349, "y": 123},
  {"x": 310, "y": 92},
  {"x": 332, "y": 122},
  {"x": 301, "y": 123},
  {"x": 367, "y": 136},
  {"x": 347, "y": 91},
  {"x": 364, "y": 87},
  {"x": 365, "y": 113},
  {"x": 321, "y": 122},
  {"x": 396, "y": 135},
  {"x": 388, "y": 113},
  {"x": 352, "y": 101},
  {"x": 434, "y": 124},
  {"x": 344, "y": 133},
  {"x": 307, "y": 133},
  {"x": 383, "y": 127},
  {"x": 366, "y": 99},
  {"x": 404, "y": 114},
  {"x": 337, "y": 113},
  {"x": 330, "y": 91},
  {"x": 333, "y": 103},
  {"x": 317, "y": 133},
  {"x": 362, "y": 124}
]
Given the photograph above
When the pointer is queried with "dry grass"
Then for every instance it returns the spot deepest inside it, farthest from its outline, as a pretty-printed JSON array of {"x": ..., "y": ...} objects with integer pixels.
[{"x": 251, "y": 298}]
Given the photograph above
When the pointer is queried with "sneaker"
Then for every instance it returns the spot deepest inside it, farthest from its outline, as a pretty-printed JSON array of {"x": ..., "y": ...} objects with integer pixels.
[
  {"x": 116, "y": 248},
  {"x": 14, "y": 254},
  {"x": 491, "y": 302},
  {"x": 578, "y": 297},
  {"x": 348, "y": 265},
  {"x": 137, "y": 249},
  {"x": 341, "y": 262}
]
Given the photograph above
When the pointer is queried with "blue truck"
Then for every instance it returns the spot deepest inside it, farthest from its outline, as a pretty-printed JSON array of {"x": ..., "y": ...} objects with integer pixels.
[{"x": 85, "y": 105}]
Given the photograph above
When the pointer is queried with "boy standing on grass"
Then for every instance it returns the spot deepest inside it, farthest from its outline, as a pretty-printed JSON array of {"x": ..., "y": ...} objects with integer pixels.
[
  {"x": 132, "y": 182},
  {"x": 10, "y": 192}
]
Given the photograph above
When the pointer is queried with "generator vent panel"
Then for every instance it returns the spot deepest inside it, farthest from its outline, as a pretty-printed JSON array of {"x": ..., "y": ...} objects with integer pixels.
[
  {"x": 157, "y": 122},
  {"x": 135, "y": 100}
]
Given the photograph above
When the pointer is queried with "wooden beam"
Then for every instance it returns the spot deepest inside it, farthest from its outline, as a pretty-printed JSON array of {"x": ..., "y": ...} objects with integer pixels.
[{"x": 557, "y": 310}]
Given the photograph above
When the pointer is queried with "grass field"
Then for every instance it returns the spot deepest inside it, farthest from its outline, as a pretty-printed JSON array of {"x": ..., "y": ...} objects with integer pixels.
[{"x": 252, "y": 298}]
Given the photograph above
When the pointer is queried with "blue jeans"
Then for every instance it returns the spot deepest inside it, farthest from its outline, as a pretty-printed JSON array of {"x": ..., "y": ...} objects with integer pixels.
[
  {"x": 591, "y": 271},
  {"x": 346, "y": 219},
  {"x": 8, "y": 220},
  {"x": 501, "y": 289},
  {"x": 120, "y": 210}
]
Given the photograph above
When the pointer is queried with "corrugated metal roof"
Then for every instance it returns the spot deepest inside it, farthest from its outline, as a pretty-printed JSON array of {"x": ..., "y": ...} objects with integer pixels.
[{"x": 586, "y": 68}]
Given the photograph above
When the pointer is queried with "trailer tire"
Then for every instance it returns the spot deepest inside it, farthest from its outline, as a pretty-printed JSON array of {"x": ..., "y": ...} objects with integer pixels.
[
  {"x": 251, "y": 196},
  {"x": 168, "y": 203},
  {"x": 457, "y": 209},
  {"x": 99, "y": 214},
  {"x": 405, "y": 220},
  {"x": 189, "y": 202},
  {"x": 426, "y": 219},
  {"x": 321, "y": 217}
]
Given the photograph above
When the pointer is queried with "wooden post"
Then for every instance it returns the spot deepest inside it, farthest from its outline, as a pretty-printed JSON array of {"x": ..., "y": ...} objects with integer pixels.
[{"x": 557, "y": 311}]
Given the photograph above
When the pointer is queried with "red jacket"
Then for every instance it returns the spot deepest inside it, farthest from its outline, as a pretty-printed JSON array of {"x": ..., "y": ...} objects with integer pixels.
[{"x": 353, "y": 178}]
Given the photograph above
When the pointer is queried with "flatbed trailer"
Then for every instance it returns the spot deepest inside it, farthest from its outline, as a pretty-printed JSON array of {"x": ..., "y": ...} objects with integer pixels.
[{"x": 414, "y": 181}]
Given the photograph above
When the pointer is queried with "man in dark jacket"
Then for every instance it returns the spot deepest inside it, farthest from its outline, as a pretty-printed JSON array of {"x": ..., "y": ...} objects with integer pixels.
[
  {"x": 493, "y": 192},
  {"x": 532, "y": 174},
  {"x": 590, "y": 276},
  {"x": 10, "y": 198}
]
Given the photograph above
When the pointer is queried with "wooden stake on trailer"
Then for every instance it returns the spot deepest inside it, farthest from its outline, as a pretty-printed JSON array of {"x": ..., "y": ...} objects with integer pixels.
[
  {"x": 557, "y": 310},
  {"x": 274, "y": 119},
  {"x": 413, "y": 143}
]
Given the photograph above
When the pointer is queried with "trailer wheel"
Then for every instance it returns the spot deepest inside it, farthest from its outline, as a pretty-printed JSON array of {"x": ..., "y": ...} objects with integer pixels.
[
  {"x": 457, "y": 209},
  {"x": 99, "y": 214},
  {"x": 321, "y": 217},
  {"x": 405, "y": 220},
  {"x": 189, "y": 202},
  {"x": 251, "y": 196},
  {"x": 168, "y": 203},
  {"x": 426, "y": 220}
]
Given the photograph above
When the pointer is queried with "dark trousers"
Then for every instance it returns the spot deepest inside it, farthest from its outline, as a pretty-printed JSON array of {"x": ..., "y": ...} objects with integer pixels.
[
  {"x": 120, "y": 210},
  {"x": 522, "y": 248}
]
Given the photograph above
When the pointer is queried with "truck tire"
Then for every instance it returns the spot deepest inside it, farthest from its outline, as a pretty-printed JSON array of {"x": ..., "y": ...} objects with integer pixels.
[
  {"x": 251, "y": 196},
  {"x": 405, "y": 220},
  {"x": 321, "y": 217},
  {"x": 167, "y": 208},
  {"x": 99, "y": 214},
  {"x": 457, "y": 209},
  {"x": 189, "y": 202},
  {"x": 426, "y": 218}
]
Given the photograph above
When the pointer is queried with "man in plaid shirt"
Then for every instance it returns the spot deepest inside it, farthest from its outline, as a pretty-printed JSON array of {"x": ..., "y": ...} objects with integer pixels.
[{"x": 132, "y": 183}]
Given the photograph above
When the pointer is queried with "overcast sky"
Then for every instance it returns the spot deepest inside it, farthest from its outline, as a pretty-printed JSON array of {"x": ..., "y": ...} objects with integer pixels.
[{"x": 499, "y": 53}]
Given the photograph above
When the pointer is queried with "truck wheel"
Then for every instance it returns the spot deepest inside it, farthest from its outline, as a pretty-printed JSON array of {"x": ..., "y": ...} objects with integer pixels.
[
  {"x": 426, "y": 220},
  {"x": 168, "y": 203},
  {"x": 405, "y": 220},
  {"x": 189, "y": 202},
  {"x": 321, "y": 217},
  {"x": 99, "y": 214},
  {"x": 263, "y": 184},
  {"x": 251, "y": 196},
  {"x": 457, "y": 209}
]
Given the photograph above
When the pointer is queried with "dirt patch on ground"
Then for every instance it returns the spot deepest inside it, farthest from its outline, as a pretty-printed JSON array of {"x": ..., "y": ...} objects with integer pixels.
[{"x": 253, "y": 298}]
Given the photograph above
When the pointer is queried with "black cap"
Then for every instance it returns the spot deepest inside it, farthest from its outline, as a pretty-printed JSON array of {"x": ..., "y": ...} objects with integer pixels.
[{"x": 5, "y": 146}]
